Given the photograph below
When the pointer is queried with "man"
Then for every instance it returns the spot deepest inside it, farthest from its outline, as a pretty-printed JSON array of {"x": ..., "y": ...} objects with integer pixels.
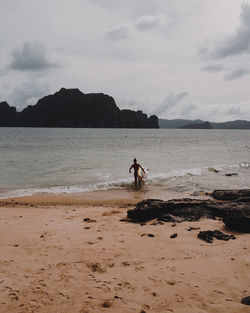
[{"x": 136, "y": 166}]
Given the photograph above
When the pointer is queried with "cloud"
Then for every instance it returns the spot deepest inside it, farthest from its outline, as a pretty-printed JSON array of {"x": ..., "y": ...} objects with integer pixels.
[
  {"x": 187, "y": 108},
  {"x": 232, "y": 48},
  {"x": 226, "y": 112},
  {"x": 32, "y": 56},
  {"x": 149, "y": 22},
  {"x": 173, "y": 99},
  {"x": 237, "y": 73},
  {"x": 239, "y": 42},
  {"x": 216, "y": 112},
  {"x": 142, "y": 24},
  {"x": 213, "y": 68},
  {"x": 27, "y": 93},
  {"x": 119, "y": 32}
]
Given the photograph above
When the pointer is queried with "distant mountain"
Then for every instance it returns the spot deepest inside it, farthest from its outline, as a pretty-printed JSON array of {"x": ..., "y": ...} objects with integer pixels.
[
  {"x": 72, "y": 108},
  {"x": 203, "y": 125},
  {"x": 177, "y": 123},
  {"x": 238, "y": 124},
  {"x": 195, "y": 124}
]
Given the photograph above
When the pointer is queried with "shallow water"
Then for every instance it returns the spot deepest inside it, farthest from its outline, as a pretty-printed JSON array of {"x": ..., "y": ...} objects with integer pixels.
[{"x": 62, "y": 160}]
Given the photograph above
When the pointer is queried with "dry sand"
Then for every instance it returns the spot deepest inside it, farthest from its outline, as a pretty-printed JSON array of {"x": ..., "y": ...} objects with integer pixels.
[{"x": 53, "y": 261}]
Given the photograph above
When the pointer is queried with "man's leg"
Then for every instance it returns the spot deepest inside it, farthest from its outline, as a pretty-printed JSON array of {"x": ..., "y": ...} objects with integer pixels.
[{"x": 135, "y": 180}]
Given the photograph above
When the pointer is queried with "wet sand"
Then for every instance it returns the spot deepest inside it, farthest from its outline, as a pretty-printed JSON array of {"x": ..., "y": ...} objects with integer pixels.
[{"x": 65, "y": 253}]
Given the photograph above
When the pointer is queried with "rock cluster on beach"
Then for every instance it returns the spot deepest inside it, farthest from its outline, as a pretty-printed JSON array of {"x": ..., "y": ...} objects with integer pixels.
[{"x": 233, "y": 207}]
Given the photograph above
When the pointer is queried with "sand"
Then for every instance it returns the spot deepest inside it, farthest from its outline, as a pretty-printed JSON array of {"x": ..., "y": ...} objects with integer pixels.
[{"x": 51, "y": 260}]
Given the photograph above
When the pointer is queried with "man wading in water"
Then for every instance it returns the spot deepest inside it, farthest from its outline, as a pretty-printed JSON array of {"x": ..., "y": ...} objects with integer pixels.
[{"x": 136, "y": 166}]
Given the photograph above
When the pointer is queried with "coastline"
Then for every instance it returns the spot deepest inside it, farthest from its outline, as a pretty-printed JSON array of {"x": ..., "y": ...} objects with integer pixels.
[
  {"x": 111, "y": 197},
  {"x": 71, "y": 253}
]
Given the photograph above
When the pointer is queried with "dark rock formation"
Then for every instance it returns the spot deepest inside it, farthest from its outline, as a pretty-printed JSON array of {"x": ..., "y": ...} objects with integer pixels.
[
  {"x": 181, "y": 209},
  {"x": 8, "y": 115},
  {"x": 72, "y": 108},
  {"x": 238, "y": 219},
  {"x": 171, "y": 218},
  {"x": 209, "y": 235},
  {"x": 234, "y": 209},
  {"x": 240, "y": 195}
]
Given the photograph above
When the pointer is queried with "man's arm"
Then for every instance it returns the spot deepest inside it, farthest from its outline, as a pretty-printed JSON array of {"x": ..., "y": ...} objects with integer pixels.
[
  {"x": 130, "y": 168},
  {"x": 142, "y": 169}
]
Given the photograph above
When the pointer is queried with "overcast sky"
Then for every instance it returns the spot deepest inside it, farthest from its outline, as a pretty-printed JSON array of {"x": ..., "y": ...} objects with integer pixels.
[{"x": 174, "y": 58}]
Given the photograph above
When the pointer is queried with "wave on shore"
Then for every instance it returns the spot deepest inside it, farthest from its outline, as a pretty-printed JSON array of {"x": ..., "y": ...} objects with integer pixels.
[{"x": 180, "y": 180}]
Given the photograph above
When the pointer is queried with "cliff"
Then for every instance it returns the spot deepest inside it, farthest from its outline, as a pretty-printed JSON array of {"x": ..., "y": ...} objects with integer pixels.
[
  {"x": 8, "y": 115},
  {"x": 72, "y": 108}
]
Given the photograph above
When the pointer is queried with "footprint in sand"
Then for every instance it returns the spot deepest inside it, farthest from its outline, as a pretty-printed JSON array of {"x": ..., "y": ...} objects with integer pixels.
[
  {"x": 125, "y": 263},
  {"x": 179, "y": 298},
  {"x": 13, "y": 295},
  {"x": 96, "y": 267},
  {"x": 171, "y": 282}
]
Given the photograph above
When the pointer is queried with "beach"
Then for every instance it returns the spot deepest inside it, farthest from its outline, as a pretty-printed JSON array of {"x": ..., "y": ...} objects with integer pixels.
[{"x": 72, "y": 253}]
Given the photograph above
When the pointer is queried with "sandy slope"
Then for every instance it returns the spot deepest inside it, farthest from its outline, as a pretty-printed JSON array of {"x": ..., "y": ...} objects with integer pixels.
[{"x": 53, "y": 261}]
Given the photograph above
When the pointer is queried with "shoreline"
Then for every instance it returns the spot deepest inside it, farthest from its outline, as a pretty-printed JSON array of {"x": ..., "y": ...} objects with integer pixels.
[
  {"x": 71, "y": 253},
  {"x": 129, "y": 196}
]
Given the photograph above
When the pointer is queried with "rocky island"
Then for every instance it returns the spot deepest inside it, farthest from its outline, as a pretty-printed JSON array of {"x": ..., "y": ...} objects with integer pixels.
[{"x": 73, "y": 108}]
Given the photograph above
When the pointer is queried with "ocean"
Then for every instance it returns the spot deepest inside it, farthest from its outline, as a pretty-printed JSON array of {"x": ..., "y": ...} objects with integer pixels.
[{"x": 66, "y": 160}]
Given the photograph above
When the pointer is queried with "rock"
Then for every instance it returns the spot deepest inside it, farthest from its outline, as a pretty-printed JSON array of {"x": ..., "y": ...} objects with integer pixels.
[
  {"x": 170, "y": 218},
  {"x": 174, "y": 210},
  {"x": 209, "y": 235},
  {"x": 231, "y": 174},
  {"x": 237, "y": 194},
  {"x": 73, "y": 108},
  {"x": 245, "y": 300},
  {"x": 174, "y": 235},
  {"x": 151, "y": 235},
  {"x": 233, "y": 208},
  {"x": 8, "y": 115},
  {"x": 238, "y": 220}
]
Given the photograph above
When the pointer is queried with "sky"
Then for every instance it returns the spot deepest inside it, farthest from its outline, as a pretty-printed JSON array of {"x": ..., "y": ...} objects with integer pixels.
[{"x": 173, "y": 58}]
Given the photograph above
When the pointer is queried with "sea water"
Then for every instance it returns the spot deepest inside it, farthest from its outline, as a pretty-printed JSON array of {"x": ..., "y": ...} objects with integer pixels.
[{"x": 67, "y": 160}]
